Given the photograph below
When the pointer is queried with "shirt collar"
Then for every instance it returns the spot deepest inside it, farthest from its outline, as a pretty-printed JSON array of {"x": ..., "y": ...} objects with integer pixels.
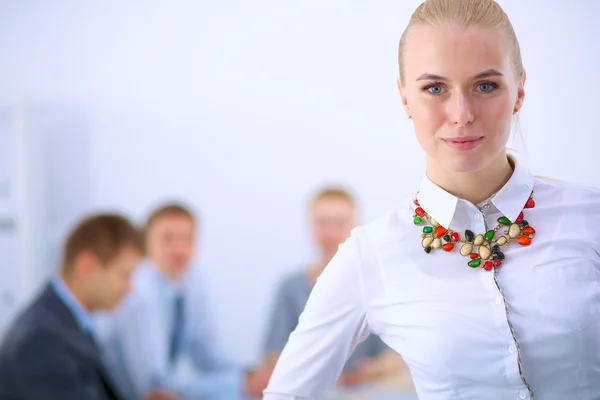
[
  {"x": 173, "y": 288},
  {"x": 82, "y": 316},
  {"x": 510, "y": 200}
]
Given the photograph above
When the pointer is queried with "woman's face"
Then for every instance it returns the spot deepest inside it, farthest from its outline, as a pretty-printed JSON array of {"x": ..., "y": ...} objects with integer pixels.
[{"x": 461, "y": 91}]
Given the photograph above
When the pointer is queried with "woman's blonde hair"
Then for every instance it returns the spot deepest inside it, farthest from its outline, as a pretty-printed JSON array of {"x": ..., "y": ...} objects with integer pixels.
[{"x": 463, "y": 13}]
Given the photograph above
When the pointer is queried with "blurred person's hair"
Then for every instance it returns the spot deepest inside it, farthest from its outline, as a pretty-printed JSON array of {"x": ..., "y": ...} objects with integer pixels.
[
  {"x": 103, "y": 235},
  {"x": 168, "y": 210},
  {"x": 333, "y": 192}
]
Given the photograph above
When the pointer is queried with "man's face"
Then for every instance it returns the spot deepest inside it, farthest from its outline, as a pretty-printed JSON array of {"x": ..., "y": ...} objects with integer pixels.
[
  {"x": 108, "y": 284},
  {"x": 170, "y": 243}
]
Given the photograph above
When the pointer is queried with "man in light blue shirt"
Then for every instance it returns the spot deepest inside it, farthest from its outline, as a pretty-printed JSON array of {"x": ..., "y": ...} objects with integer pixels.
[{"x": 164, "y": 322}]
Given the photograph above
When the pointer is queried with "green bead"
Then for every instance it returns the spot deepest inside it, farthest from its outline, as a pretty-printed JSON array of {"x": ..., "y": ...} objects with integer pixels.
[
  {"x": 489, "y": 235},
  {"x": 418, "y": 220},
  {"x": 428, "y": 229},
  {"x": 474, "y": 263},
  {"x": 504, "y": 221}
]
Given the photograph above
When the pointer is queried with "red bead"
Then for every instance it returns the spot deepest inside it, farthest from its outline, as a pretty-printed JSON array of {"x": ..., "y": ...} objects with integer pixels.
[
  {"x": 448, "y": 246},
  {"x": 497, "y": 263},
  {"x": 455, "y": 237},
  {"x": 524, "y": 240},
  {"x": 488, "y": 266},
  {"x": 519, "y": 218},
  {"x": 420, "y": 212},
  {"x": 528, "y": 230},
  {"x": 530, "y": 203},
  {"x": 474, "y": 256},
  {"x": 417, "y": 202},
  {"x": 439, "y": 232}
]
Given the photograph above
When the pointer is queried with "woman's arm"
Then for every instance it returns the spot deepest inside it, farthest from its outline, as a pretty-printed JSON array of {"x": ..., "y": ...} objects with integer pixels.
[{"x": 332, "y": 324}]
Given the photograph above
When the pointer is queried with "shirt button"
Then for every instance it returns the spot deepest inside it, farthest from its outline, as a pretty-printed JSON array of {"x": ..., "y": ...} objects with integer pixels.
[
  {"x": 523, "y": 394},
  {"x": 512, "y": 349}
]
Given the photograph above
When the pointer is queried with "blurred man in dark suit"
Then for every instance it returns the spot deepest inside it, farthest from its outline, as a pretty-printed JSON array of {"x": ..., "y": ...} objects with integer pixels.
[{"x": 50, "y": 352}]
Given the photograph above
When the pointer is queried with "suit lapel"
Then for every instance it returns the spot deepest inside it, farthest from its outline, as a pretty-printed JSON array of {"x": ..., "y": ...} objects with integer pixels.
[{"x": 79, "y": 340}]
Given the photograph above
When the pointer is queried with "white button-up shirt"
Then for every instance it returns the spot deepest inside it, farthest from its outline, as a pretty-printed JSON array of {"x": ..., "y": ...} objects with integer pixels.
[{"x": 529, "y": 329}]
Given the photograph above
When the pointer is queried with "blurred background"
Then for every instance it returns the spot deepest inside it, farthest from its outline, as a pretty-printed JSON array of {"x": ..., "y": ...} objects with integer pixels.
[{"x": 241, "y": 109}]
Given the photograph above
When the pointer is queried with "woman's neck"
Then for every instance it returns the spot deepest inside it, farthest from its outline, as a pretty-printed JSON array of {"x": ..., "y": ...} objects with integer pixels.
[{"x": 474, "y": 186}]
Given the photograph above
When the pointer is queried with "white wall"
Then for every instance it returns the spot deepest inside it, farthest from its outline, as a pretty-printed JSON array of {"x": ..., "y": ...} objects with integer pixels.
[{"x": 242, "y": 107}]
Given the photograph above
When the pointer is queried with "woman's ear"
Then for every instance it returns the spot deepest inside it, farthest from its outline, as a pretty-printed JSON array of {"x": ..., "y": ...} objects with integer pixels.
[
  {"x": 403, "y": 97},
  {"x": 520, "y": 93}
]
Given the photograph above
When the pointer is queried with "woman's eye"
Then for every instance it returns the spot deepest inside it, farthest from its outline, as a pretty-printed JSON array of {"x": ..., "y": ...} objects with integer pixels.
[
  {"x": 486, "y": 87},
  {"x": 435, "y": 89}
]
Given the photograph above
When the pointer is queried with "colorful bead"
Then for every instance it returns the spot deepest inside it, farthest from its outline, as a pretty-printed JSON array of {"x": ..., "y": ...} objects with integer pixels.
[
  {"x": 523, "y": 223},
  {"x": 418, "y": 220},
  {"x": 514, "y": 231},
  {"x": 502, "y": 240},
  {"x": 474, "y": 256},
  {"x": 417, "y": 202},
  {"x": 519, "y": 218},
  {"x": 427, "y": 241},
  {"x": 489, "y": 235},
  {"x": 427, "y": 250},
  {"x": 474, "y": 263},
  {"x": 488, "y": 266},
  {"x": 498, "y": 255},
  {"x": 427, "y": 229},
  {"x": 440, "y": 231},
  {"x": 455, "y": 237},
  {"x": 469, "y": 235},
  {"x": 420, "y": 212},
  {"x": 433, "y": 222},
  {"x": 448, "y": 246},
  {"x": 528, "y": 230},
  {"x": 484, "y": 252},
  {"x": 524, "y": 240},
  {"x": 530, "y": 203},
  {"x": 479, "y": 239},
  {"x": 437, "y": 243},
  {"x": 497, "y": 263},
  {"x": 504, "y": 221},
  {"x": 446, "y": 238},
  {"x": 495, "y": 247},
  {"x": 466, "y": 249}
]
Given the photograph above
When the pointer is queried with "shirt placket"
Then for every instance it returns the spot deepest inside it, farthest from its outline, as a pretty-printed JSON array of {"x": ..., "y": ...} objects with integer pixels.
[{"x": 512, "y": 351}]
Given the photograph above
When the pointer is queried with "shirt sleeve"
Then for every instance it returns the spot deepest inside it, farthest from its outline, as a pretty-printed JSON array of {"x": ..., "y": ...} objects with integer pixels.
[
  {"x": 333, "y": 323},
  {"x": 144, "y": 344},
  {"x": 282, "y": 321}
]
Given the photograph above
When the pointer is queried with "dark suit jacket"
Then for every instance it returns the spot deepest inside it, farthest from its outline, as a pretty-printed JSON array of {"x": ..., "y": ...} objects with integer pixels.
[{"x": 46, "y": 356}]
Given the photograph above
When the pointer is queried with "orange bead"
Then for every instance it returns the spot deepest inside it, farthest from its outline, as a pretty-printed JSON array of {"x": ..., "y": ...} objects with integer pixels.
[
  {"x": 448, "y": 246},
  {"x": 439, "y": 232},
  {"x": 528, "y": 230},
  {"x": 524, "y": 240},
  {"x": 474, "y": 256}
]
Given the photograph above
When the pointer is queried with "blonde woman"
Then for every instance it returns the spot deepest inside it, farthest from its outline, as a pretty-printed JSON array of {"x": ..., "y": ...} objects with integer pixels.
[{"x": 487, "y": 281}]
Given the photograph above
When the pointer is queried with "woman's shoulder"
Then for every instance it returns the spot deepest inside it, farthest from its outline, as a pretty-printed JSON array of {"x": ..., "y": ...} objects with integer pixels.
[
  {"x": 566, "y": 191},
  {"x": 393, "y": 225}
]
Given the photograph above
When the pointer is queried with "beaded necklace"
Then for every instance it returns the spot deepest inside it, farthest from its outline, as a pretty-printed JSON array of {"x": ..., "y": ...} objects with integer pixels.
[{"x": 484, "y": 250}]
